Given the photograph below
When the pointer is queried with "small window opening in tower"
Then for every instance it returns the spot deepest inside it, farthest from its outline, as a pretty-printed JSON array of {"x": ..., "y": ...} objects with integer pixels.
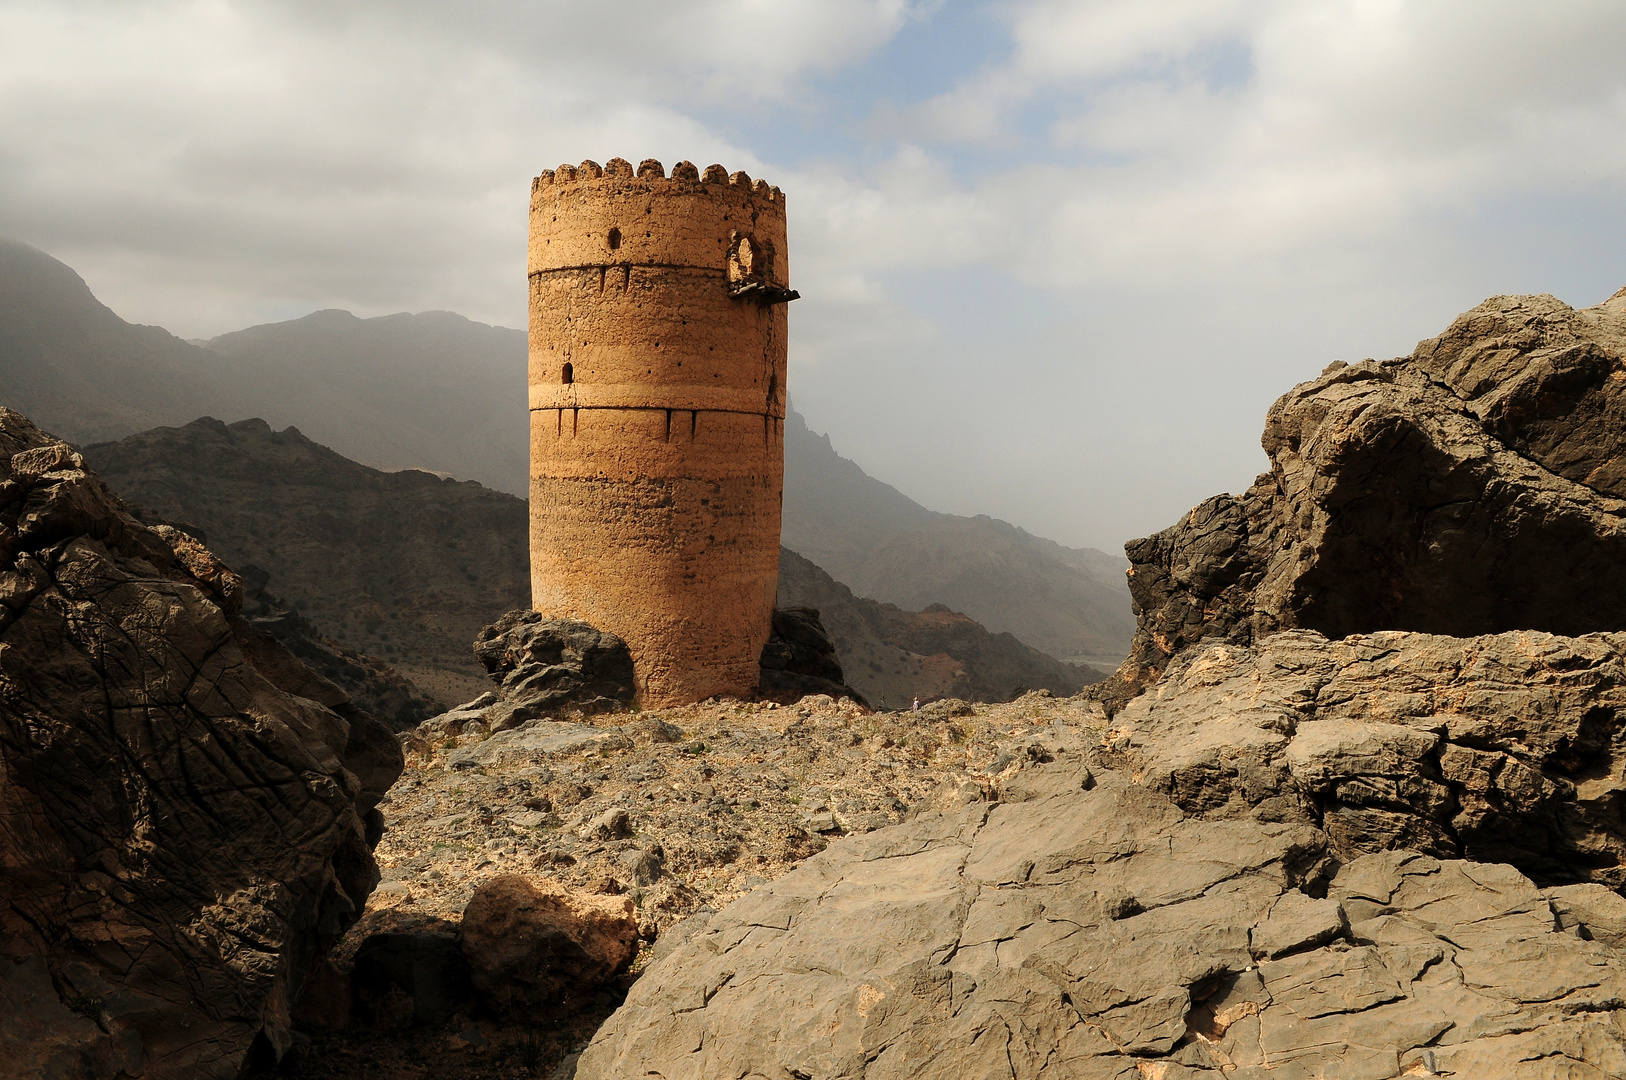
[
  {"x": 568, "y": 375},
  {"x": 615, "y": 239}
]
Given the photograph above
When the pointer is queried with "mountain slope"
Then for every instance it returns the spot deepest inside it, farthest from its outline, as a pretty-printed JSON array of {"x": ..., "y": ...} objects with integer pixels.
[
  {"x": 409, "y": 567},
  {"x": 81, "y": 371},
  {"x": 431, "y": 391},
  {"x": 1069, "y": 602},
  {"x": 403, "y": 565}
]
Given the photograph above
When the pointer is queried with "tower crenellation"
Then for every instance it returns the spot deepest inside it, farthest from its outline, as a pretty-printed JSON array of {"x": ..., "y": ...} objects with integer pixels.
[
  {"x": 657, "y": 396},
  {"x": 650, "y": 169}
]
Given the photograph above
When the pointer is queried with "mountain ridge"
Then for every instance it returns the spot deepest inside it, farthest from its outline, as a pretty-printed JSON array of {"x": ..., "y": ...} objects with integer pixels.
[
  {"x": 436, "y": 392},
  {"x": 409, "y": 567}
]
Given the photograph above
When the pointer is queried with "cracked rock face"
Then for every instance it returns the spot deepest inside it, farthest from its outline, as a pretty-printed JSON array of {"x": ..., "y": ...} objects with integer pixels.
[
  {"x": 1506, "y": 748},
  {"x": 1099, "y": 931},
  {"x": 186, "y": 811},
  {"x": 1472, "y": 487}
]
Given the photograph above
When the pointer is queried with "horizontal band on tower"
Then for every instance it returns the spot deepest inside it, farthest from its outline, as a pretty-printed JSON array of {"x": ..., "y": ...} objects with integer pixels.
[
  {"x": 752, "y": 402},
  {"x": 706, "y": 268}
]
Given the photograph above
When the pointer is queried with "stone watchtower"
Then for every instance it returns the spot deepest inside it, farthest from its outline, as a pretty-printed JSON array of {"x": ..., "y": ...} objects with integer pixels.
[{"x": 657, "y": 377}]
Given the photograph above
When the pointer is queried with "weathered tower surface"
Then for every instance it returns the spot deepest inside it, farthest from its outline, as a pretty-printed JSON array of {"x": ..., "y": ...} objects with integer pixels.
[{"x": 657, "y": 377}]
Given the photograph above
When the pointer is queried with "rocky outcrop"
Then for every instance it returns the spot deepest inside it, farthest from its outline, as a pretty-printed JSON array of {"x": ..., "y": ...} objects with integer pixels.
[
  {"x": 1094, "y": 929},
  {"x": 532, "y": 945},
  {"x": 1509, "y": 748},
  {"x": 543, "y": 665},
  {"x": 186, "y": 811},
  {"x": 1472, "y": 487},
  {"x": 1391, "y": 855},
  {"x": 800, "y": 660}
]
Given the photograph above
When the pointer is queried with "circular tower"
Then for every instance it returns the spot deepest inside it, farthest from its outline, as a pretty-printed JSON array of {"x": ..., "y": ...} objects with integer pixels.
[{"x": 657, "y": 392}]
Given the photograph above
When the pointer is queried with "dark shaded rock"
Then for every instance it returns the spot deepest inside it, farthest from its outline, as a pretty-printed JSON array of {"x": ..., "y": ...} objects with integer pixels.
[
  {"x": 800, "y": 659},
  {"x": 532, "y": 945},
  {"x": 407, "y": 978},
  {"x": 325, "y": 1002},
  {"x": 544, "y": 666},
  {"x": 1470, "y": 488},
  {"x": 185, "y": 809}
]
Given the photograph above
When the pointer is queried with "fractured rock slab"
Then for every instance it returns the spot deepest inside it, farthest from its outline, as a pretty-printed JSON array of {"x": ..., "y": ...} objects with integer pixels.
[
  {"x": 1104, "y": 933},
  {"x": 1470, "y": 488},
  {"x": 1505, "y": 748},
  {"x": 186, "y": 811}
]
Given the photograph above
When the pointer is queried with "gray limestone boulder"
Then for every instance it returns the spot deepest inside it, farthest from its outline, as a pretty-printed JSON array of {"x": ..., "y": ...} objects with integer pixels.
[{"x": 1104, "y": 932}]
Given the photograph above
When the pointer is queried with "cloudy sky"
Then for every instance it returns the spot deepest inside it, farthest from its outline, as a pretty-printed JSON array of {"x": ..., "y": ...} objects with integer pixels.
[{"x": 1057, "y": 256}]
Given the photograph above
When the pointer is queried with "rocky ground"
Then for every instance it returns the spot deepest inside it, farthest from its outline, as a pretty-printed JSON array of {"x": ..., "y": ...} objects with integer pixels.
[{"x": 682, "y": 809}]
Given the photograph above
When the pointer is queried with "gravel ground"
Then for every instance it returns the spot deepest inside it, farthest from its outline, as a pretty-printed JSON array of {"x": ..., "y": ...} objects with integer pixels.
[{"x": 683, "y": 809}]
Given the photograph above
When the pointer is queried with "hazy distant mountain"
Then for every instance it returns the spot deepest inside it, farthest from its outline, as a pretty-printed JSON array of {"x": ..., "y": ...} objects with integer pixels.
[
  {"x": 431, "y": 391},
  {"x": 1072, "y": 603},
  {"x": 437, "y": 392},
  {"x": 81, "y": 372}
]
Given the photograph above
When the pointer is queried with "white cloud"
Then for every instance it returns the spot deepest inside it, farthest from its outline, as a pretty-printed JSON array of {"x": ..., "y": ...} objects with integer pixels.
[
  {"x": 207, "y": 164},
  {"x": 1356, "y": 121}
]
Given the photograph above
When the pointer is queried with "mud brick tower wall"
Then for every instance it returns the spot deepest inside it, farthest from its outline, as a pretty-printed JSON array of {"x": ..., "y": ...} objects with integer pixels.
[{"x": 657, "y": 389}]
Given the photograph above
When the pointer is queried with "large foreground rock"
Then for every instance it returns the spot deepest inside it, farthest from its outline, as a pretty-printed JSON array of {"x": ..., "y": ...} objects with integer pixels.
[
  {"x": 1096, "y": 930},
  {"x": 1472, "y": 487},
  {"x": 1508, "y": 748},
  {"x": 186, "y": 811},
  {"x": 534, "y": 946},
  {"x": 1256, "y": 870}
]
